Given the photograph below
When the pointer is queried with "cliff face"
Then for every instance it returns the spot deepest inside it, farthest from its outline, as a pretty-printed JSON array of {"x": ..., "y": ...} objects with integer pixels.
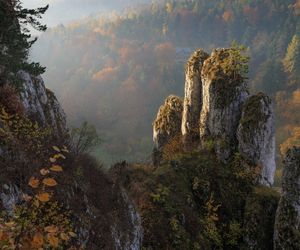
[
  {"x": 89, "y": 193},
  {"x": 41, "y": 105},
  {"x": 192, "y": 97},
  {"x": 287, "y": 225},
  {"x": 223, "y": 97},
  {"x": 256, "y": 136}
]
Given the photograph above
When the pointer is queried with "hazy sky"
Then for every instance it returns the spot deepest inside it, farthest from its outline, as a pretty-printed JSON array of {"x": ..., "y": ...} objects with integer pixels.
[{"x": 63, "y": 11}]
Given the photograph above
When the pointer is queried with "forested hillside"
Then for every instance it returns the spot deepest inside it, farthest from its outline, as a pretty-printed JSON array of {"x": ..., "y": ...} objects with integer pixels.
[{"x": 115, "y": 71}]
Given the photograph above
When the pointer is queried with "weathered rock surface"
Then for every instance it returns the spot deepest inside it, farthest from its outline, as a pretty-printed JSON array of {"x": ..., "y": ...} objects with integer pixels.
[
  {"x": 167, "y": 124},
  {"x": 192, "y": 97},
  {"x": 223, "y": 98},
  {"x": 41, "y": 105},
  {"x": 287, "y": 224},
  {"x": 256, "y": 136}
]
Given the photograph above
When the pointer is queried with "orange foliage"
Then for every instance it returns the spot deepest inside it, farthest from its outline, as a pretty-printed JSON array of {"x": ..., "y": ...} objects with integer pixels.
[
  {"x": 297, "y": 5},
  {"x": 43, "y": 197},
  {"x": 50, "y": 182},
  {"x": 252, "y": 15},
  {"x": 228, "y": 16},
  {"x": 127, "y": 54},
  {"x": 293, "y": 140},
  {"x": 296, "y": 97},
  {"x": 165, "y": 53},
  {"x": 34, "y": 182},
  {"x": 105, "y": 75}
]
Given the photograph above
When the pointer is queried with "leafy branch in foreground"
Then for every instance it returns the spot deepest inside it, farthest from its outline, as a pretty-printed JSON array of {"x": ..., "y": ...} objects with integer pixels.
[{"x": 40, "y": 222}]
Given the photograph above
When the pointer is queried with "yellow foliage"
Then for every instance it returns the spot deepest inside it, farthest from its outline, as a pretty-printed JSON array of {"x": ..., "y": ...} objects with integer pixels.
[
  {"x": 22, "y": 231},
  {"x": 52, "y": 159},
  {"x": 21, "y": 134},
  {"x": 57, "y": 156},
  {"x": 293, "y": 140},
  {"x": 56, "y": 148},
  {"x": 56, "y": 168}
]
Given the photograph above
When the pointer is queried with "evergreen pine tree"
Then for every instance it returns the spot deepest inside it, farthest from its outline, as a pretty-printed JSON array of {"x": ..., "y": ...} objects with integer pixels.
[{"x": 15, "y": 37}]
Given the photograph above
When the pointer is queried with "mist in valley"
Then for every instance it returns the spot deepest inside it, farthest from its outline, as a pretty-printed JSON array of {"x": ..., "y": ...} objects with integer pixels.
[{"x": 115, "y": 69}]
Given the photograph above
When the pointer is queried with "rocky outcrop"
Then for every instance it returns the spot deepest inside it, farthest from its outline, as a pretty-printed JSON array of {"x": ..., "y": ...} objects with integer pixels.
[
  {"x": 287, "y": 225},
  {"x": 223, "y": 96},
  {"x": 192, "y": 97},
  {"x": 256, "y": 136},
  {"x": 41, "y": 105},
  {"x": 167, "y": 124},
  {"x": 218, "y": 113}
]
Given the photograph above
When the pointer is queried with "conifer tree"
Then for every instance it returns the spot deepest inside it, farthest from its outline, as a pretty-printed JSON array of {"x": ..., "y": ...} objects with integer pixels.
[{"x": 15, "y": 37}]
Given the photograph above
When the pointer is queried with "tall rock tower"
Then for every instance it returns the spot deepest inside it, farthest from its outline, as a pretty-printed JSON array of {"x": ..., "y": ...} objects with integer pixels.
[
  {"x": 167, "y": 125},
  {"x": 224, "y": 94},
  {"x": 192, "y": 98}
]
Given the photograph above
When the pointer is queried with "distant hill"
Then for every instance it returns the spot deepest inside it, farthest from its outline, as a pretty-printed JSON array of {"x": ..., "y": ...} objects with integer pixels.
[{"x": 115, "y": 70}]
